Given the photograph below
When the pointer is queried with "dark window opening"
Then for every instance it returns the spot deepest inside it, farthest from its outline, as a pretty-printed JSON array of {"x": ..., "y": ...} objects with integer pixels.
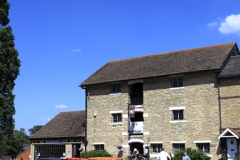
[
  {"x": 231, "y": 142},
  {"x": 75, "y": 151},
  {"x": 178, "y": 147},
  {"x": 204, "y": 147},
  {"x": 177, "y": 115},
  {"x": 99, "y": 147},
  {"x": 138, "y": 117},
  {"x": 116, "y": 117},
  {"x": 177, "y": 82},
  {"x": 115, "y": 88},
  {"x": 138, "y": 146},
  {"x": 156, "y": 148},
  {"x": 49, "y": 151},
  {"x": 136, "y": 94}
]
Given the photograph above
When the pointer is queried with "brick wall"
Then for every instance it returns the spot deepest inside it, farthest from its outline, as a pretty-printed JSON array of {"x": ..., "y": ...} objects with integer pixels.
[{"x": 25, "y": 155}]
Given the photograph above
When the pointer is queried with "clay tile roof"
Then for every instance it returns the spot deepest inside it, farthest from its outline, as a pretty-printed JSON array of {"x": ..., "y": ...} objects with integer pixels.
[
  {"x": 235, "y": 131},
  {"x": 183, "y": 61},
  {"x": 232, "y": 67},
  {"x": 64, "y": 125}
]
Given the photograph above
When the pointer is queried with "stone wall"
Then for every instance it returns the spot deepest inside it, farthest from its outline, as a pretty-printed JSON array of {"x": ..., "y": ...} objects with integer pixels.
[
  {"x": 32, "y": 152},
  {"x": 68, "y": 150},
  {"x": 99, "y": 128},
  {"x": 199, "y": 96},
  {"x": 230, "y": 102}
]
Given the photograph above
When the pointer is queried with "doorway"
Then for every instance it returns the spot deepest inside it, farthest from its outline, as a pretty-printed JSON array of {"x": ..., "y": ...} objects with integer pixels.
[
  {"x": 231, "y": 148},
  {"x": 75, "y": 150},
  {"x": 138, "y": 146}
]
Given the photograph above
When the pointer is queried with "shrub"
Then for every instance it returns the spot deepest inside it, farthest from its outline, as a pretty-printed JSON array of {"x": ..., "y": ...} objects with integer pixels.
[
  {"x": 95, "y": 153},
  {"x": 192, "y": 153},
  {"x": 237, "y": 158}
]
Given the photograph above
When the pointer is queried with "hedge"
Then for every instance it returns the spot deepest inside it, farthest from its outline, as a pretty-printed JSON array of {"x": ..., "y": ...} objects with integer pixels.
[
  {"x": 94, "y": 153},
  {"x": 192, "y": 153}
]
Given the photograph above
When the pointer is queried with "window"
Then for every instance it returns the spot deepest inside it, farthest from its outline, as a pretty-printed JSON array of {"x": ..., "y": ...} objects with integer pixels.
[
  {"x": 99, "y": 147},
  {"x": 177, "y": 115},
  {"x": 178, "y": 147},
  {"x": 177, "y": 82},
  {"x": 156, "y": 148},
  {"x": 53, "y": 151},
  {"x": 116, "y": 88},
  {"x": 205, "y": 147},
  {"x": 117, "y": 117}
]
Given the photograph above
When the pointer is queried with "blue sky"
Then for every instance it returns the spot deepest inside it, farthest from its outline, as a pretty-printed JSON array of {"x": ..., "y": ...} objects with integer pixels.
[{"x": 61, "y": 43}]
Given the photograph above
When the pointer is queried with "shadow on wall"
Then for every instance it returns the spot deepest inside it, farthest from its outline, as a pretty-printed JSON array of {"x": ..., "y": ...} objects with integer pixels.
[
  {"x": 156, "y": 83},
  {"x": 120, "y": 154}
]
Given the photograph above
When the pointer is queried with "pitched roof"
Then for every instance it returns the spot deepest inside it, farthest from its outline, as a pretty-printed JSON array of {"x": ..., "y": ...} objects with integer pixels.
[
  {"x": 233, "y": 131},
  {"x": 26, "y": 146},
  {"x": 236, "y": 131},
  {"x": 183, "y": 61},
  {"x": 64, "y": 125},
  {"x": 25, "y": 150},
  {"x": 232, "y": 68}
]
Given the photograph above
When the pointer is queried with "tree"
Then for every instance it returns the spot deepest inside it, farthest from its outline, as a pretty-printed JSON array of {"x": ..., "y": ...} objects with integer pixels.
[
  {"x": 34, "y": 129},
  {"x": 9, "y": 70},
  {"x": 4, "y": 7},
  {"x": 192, "y": 153},
  {"x": 21, "y": 138}
]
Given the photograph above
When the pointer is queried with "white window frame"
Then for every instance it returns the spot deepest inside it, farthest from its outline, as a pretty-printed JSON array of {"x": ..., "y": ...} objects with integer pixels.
[
  {"x": 178, "y": 143},
  {"x": 116, "y": 112},
  {"x": 174, "y": 109},
  {"x": 118, "y": 120},
  {"x": 178, "y": 115},
  {"x": 99, "y": 144},
  {"x": 204, "y": 147},
  {"x": 155, "y": 143}
]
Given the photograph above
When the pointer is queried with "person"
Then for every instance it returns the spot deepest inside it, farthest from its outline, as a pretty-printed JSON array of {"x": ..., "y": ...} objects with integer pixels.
[
  {"x": 163, "y": 155},
  {"x": 185, "y": 157},
  {"x": 135, "y": 153},
  {"x": 170, "y": 156}
]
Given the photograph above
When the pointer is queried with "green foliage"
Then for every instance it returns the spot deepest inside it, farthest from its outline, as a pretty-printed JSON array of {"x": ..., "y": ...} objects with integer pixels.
[
  {"x": 192, "y": 153},
  {"x": 9, "y": 70},
  {"x": 238, "y": 158},
  {"x": 14, "y": 145},
  {"x": 95, "y": 153},
  {"x": 4, "y": 7},
  {"x": 21, "y": 138},
  {"x": 34, "y": 129}
]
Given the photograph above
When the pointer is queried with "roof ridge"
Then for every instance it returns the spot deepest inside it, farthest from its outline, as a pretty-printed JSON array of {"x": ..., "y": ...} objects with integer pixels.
[
  {"x": 72, "y": 111},
  {"x": 171, "y": 52},
  {"x": 45, "y": 125}
]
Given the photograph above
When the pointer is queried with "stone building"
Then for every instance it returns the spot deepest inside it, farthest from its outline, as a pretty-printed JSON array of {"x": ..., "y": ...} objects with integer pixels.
[
  {"x": 63, "y": 136},
  {"x": 180, "y": 99}
]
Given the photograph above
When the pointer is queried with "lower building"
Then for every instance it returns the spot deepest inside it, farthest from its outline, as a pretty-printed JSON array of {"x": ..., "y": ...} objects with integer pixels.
[
  {"x": 25, "y": 155},
  {"x": 63, "y": 136}
]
